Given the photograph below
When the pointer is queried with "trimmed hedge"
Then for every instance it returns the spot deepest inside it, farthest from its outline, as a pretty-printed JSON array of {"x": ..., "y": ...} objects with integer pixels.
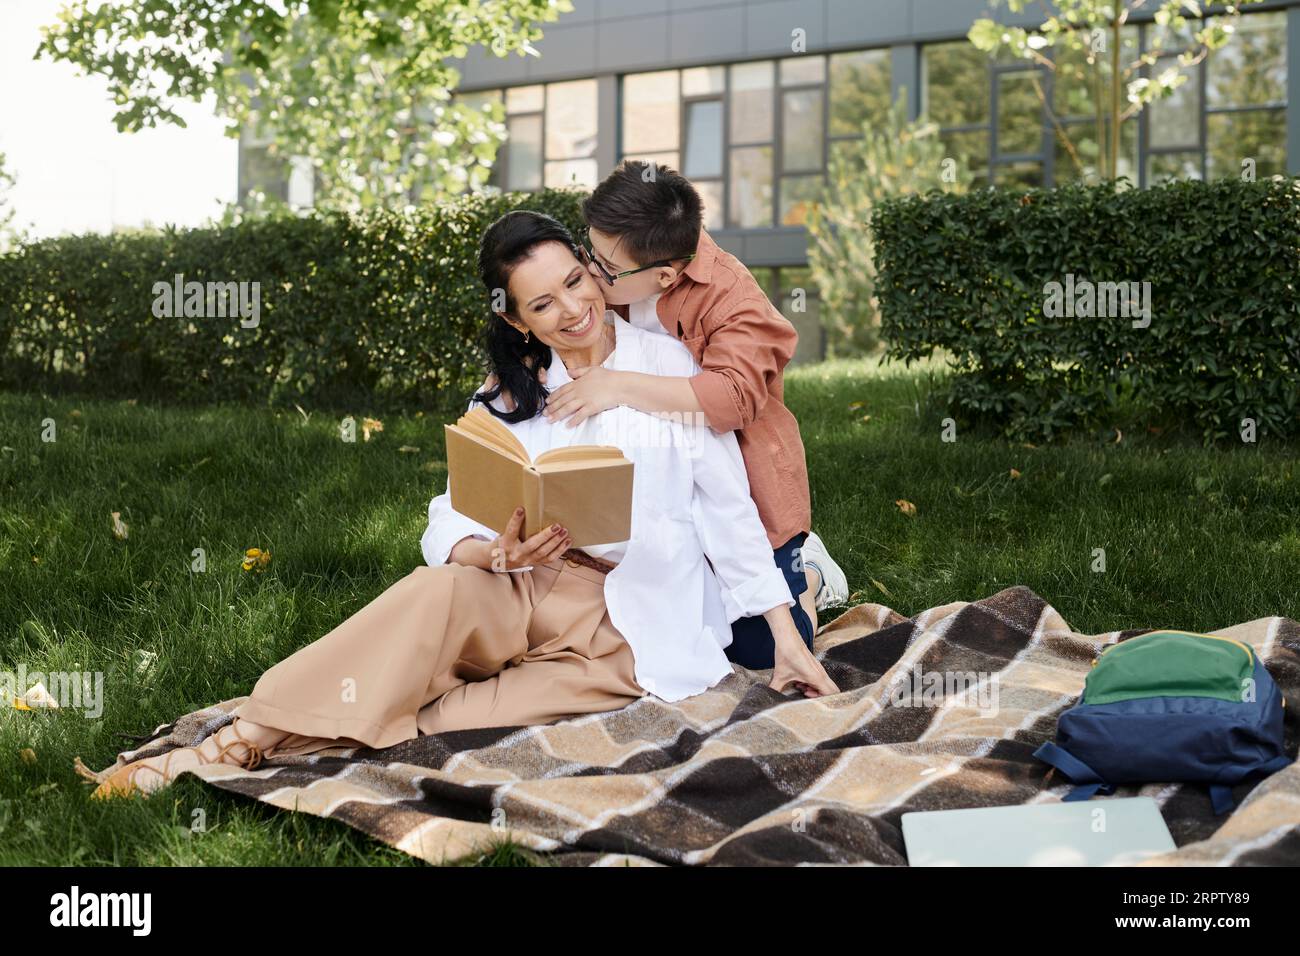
[
  {"x": 968, "y": 275},
  {"x": 386, "y": 305}
]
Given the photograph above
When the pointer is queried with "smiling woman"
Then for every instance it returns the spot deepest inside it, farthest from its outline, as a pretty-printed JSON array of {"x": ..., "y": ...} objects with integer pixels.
[
  {"x": 557, "y": 294},
  {"x": 503, "y": 631}
]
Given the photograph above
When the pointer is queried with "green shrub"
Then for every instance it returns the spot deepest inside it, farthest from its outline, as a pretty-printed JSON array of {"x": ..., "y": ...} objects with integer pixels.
[
  {"x": 968, "y": 275},
  {"x": 385, "y": 305}
]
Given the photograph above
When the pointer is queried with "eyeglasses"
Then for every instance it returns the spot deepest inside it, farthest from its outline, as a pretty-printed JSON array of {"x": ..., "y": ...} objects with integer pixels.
[{"x": 610, "y": 278}]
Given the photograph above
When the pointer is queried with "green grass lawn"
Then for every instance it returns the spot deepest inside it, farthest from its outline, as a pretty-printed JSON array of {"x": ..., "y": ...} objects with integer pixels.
[{"x": 1194, "y": 539}]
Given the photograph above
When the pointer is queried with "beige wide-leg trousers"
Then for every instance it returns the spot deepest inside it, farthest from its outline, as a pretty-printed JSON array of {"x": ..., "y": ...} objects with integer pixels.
[{"x": 448, "y": 648}]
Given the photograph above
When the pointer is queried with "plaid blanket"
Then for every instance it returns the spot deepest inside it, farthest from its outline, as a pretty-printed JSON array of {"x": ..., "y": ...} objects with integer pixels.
[{"x": 938, "y": 711}]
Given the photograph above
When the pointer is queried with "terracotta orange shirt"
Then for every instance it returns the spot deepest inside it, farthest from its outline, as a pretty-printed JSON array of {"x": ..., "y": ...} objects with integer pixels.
[{"x": 743, "y": 343}]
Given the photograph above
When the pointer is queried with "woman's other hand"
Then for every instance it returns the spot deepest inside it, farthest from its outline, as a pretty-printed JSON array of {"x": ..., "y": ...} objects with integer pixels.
[
  {"x": 795, "y": 664},
  {"x": 508, "y": 552}
]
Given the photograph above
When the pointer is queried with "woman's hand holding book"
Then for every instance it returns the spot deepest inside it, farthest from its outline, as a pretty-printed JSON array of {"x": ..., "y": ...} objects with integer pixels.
[{"x": 507, "y": 553}]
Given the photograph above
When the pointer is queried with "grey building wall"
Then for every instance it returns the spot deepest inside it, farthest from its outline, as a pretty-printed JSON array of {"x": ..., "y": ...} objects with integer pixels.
[{"x": 606, "y": 38}]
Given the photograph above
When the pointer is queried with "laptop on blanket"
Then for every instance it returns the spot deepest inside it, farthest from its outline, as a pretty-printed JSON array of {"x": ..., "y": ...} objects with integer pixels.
[{"x": 1116, "y": 832}]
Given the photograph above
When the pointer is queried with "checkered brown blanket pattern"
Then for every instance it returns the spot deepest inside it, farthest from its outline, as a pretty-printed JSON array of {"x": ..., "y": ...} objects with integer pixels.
[{"x": 743, "y": 775}]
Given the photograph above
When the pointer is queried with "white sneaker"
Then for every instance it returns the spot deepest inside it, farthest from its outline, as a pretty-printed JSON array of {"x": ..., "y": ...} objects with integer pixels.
[{"x": 834, "y": 588}]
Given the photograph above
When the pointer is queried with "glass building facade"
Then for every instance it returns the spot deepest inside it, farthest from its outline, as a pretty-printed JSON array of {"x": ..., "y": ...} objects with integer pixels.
[{"x": 714, "y": 89}]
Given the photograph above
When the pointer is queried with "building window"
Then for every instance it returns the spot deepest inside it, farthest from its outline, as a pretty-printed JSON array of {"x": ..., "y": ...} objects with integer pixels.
[
  {"x": 752, "y": 130},
  {"x": 990, "y": 112},
  {"x": 550, "y": 135},
  {"x": 260, "y": 173},
  {"x": 1077, "y": 154},
  {"x": 955, "y": 94},
  {"x": 704, "y": 138},
  {"x": 1245, "y": 99},
  {"x": 570, "y": 134},
  {"x": 861, "y": 87},
  {"x": 1230, "y": 110},
  {"x": 753, "y": 137}
]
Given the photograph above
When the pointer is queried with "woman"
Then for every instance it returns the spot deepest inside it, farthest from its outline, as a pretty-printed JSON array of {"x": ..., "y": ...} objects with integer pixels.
[{"x": 499, "y": 631}]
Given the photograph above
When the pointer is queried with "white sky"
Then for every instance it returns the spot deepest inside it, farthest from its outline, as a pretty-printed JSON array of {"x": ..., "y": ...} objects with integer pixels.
[{"x": 76, "y": 173}]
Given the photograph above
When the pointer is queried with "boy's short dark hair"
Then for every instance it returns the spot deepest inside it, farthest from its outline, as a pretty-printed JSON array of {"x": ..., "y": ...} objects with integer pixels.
[{"x": 656, "y": 212}]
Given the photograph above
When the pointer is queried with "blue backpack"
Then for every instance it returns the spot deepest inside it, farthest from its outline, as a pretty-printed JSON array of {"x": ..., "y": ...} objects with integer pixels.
[{"x": 1171, "y": 706}]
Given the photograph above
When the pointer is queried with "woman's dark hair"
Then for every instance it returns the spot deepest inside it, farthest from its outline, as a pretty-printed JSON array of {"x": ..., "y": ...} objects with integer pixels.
[{"x": 515, "y": 362}]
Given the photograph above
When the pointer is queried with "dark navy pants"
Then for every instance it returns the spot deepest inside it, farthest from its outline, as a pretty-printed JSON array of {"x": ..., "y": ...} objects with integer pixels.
[{"x": 752, "y": 644}]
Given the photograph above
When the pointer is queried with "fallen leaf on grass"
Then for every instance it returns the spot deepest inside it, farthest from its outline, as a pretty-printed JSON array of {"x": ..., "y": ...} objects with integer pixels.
[
  {"x": 883, "y": 590},
  {"x": 369, "y": 425},
  {"x": 36, "y": 697},
  {"x": 144, "y": 661},
  {"x": 1015, "y": 473},
  {"x": 906, "y": 507},
  {"x": 119, "y": 526},
  {"x": 256, "y": 559}
]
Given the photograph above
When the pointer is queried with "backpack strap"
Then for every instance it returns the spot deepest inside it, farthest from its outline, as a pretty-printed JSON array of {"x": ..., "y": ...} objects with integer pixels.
[
  {"x": 1221, "y": 793},
  {"x": 1088, "y": 781}
]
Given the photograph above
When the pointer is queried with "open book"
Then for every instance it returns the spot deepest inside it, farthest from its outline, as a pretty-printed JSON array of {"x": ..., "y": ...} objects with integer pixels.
[{"x": 585, "y": 488}]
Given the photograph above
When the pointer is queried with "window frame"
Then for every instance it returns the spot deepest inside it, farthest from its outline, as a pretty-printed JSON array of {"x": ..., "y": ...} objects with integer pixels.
[
  {"x": 778, "y": 170},
  {"x": 993, "y": 158}
]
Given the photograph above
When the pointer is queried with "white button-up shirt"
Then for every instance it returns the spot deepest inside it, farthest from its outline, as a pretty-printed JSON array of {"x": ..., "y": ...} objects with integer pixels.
[
  {"x": 690, "y": 499},
  {"x": 644, "y": 314}
]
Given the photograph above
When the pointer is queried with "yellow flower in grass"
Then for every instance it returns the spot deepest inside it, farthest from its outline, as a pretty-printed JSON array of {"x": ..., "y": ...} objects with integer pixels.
[{"x": 255, "y": 559}]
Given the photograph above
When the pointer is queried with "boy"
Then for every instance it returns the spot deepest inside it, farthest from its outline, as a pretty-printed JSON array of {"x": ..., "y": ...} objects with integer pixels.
[{"x": 662, "y": 271}]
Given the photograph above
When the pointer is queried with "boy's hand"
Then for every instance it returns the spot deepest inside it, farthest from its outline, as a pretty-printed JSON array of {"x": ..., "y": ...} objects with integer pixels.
[
  {"x": 592, "y": 390},
  {"x": 506, "y": 398}
]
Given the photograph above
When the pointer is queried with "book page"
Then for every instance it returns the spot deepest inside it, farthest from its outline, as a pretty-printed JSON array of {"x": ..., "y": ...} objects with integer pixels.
[
  {"x": 481, "y": 423},
  {"x": 579, "y": 453}
]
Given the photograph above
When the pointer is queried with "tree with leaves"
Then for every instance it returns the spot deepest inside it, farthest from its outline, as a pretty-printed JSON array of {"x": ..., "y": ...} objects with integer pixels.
[
  {"x": 357, "y": 87},
  {"x": 9, "y": 234},
  {"x": 1089, "y": 36}
]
